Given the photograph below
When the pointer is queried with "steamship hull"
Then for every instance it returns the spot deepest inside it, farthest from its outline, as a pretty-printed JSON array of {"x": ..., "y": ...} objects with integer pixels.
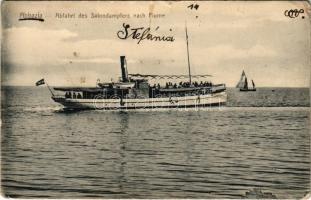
[{"x": 208, "y": 100}]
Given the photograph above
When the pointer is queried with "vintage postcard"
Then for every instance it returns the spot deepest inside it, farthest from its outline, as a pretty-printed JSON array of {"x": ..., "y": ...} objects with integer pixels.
[{"x": 155, "y": 99}]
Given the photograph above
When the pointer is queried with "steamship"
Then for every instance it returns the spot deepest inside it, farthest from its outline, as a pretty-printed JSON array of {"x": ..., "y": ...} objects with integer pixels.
[{"x": 134, "y": 91}]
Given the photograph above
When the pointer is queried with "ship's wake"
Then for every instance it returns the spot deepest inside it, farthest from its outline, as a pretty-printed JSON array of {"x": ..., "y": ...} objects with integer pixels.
[{"x": 42, "y": 109}]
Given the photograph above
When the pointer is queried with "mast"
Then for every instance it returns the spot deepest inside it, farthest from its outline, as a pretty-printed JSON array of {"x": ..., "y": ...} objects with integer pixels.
[
  {"x": 188, "y": 55},
  {"x": 49, "y": 88}
]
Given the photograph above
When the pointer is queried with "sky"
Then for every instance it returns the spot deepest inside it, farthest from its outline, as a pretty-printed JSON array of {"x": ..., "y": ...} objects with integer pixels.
[{"x": 225, "y": 38}]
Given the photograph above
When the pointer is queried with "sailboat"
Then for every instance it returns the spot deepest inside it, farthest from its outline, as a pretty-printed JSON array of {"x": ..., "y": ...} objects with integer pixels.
[{"x": 243, "y": 84}]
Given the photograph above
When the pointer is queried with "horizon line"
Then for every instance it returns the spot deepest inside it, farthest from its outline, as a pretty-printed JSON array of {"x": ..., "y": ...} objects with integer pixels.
[{"x": 4, "y": 85}]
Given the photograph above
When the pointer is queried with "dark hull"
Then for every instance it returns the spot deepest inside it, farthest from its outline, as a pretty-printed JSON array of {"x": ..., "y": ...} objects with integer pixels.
[{"x": 247, "y": 90}]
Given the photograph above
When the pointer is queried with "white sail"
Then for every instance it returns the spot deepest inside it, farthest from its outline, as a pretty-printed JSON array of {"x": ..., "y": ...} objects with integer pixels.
[{"x": 242, "y": 81}]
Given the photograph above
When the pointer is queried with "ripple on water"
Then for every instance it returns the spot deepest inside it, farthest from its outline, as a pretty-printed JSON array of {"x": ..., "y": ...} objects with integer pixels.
[{"x": 211, "y": 153}]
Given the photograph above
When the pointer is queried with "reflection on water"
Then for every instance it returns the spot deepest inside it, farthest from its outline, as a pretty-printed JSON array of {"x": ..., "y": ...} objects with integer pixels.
[{"x": 164, "y": 154}]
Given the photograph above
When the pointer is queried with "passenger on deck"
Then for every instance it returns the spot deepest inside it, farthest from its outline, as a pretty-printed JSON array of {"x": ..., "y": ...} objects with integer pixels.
[
  {"x": 79, "y": 96},
  {"x": 159, "y": 86},
  {"x": 175, "y": 85},
  {"x": 166, "y": 85},
  {"x": 74, "y": 96}
]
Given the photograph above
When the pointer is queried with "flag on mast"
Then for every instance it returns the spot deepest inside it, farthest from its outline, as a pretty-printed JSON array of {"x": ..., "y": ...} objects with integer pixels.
[{"x": 40, "y": 82}]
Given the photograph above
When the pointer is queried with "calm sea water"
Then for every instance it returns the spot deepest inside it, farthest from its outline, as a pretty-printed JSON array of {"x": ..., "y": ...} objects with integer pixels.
[{"x": 260, "y": 140}]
